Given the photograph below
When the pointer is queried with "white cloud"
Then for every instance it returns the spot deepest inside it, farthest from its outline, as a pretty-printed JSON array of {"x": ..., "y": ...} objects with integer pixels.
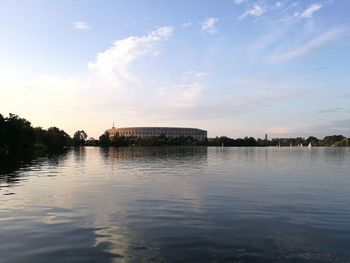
[
  {"x": 194, "y": 99},
  {"x": 81, "y": 25},
  {"x": 238, "y": 2},
  {"x": 267, "y": 40},
  {"x": 278, "y": 4},
  {"x": 256, "y": 10},
  {"x": 330, "y": 110},
  {"x": 113, "y": 63},
  {"x": 107, "y": 88},
  {"x": 183, "y": 95},
  {"x": 308, "y": 12},
  {"x": 187, "y": 24},
  {"x": 186, "y": 93},
  {"x": 189, "y": 99},
  {"x": 310, "y": 46},
  {"x": 193, "y": 74},
  {"x": 208, "y": 25}
]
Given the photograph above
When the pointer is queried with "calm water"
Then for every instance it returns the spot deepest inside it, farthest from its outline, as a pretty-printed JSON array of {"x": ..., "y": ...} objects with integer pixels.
[{"x": 178, "y": 205}]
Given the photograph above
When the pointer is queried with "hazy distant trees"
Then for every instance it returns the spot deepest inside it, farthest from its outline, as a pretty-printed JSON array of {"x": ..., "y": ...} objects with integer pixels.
[
  {"x": 342, "y": 143},
  {"x": 328, "y": 141},
  {"x": 332, "y": 140},
  {"x": 313, "y": 140}
]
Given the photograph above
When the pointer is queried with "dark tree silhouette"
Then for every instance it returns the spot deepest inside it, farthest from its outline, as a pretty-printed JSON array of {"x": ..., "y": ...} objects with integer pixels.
[
  {"x": 104, "y": 139},
  {"x": 79, "y": 138},
  {"x": 17, "y": 133}
]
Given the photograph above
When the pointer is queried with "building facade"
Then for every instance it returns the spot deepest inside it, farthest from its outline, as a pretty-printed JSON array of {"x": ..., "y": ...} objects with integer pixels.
[{"x": 157, "y": 131}]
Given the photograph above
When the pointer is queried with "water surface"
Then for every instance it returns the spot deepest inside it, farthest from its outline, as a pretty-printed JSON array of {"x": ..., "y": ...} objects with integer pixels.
[{"x": 178, "y": 204}]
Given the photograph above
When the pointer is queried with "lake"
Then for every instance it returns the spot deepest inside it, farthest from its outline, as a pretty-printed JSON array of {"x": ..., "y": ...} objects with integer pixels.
[{"x": 178, "y": 204}]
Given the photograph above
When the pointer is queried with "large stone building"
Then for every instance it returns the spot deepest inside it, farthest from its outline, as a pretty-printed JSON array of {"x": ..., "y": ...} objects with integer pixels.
[{"x": 157, "y": 131}]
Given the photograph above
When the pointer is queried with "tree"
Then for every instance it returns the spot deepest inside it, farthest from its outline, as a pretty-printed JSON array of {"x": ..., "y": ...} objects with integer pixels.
[
  {"x": 342, "y": 143},
  {"x": 2, "y": 131},
  {"x": 18, "y": 133},
  {"x": 332, "y": 140},
  {"x": 79, "y": 138},
  {"x": 57, "y": 138},
  {"x": 104, "y": 139}
]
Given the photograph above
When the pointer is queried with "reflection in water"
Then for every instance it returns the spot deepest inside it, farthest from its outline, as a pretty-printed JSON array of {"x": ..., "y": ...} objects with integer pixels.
[
  {"x": 12, "y": 166},
  {"x": 178, "y": 204},
  {"x": 165, "y": 157},
  {"x": 148, "y": 165},
  {"x": 79, "y": 154}
]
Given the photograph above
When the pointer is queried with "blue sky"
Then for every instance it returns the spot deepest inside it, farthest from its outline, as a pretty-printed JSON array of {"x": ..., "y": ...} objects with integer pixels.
[{"x": 233, "y": 67}]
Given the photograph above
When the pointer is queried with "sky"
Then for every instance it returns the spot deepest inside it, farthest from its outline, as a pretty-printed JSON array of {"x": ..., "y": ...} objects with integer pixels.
[{"x": 232, "y": 67}]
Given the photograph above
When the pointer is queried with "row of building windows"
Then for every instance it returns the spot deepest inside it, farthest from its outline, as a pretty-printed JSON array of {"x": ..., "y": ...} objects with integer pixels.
[
  {"x": 196, "y": 133},
  {"x": 146, "y": 132}
]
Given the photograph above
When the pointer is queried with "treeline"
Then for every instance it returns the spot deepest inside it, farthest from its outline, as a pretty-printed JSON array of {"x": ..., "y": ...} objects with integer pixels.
[
  {"x": 239, "y": 142},
  {"x": 17, "y": 133},
  {"x": 328, "y": 141},
  {"x": 121, "y": 141}
]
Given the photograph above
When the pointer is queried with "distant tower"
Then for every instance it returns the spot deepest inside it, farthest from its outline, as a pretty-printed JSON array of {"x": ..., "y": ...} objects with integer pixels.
[
  {"x": 113, "y": 125},
  {"x": 265, "y": 136}
]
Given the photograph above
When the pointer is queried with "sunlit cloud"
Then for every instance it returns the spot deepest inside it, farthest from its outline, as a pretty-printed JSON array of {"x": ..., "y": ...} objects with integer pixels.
[
  {"x": 113, "y": 63},
  {"x": 209, "y": 25}
]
